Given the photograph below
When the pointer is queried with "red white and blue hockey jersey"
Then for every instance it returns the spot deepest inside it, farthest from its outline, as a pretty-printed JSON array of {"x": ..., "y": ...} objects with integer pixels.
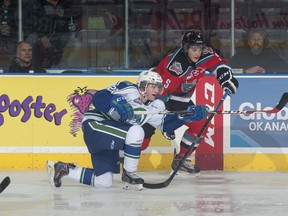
[{"x": 180, "y": 75}]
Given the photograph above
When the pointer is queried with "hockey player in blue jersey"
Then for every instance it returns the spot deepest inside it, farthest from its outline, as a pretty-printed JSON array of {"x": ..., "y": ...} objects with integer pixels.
[{"x": 112, "y": 127}]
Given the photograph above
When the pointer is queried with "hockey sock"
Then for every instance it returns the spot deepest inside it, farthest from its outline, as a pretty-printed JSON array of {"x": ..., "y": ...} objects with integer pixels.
[
  {"x": 187, "y": 141},
  {"x": 87, "y": 176},
  {"x": 103, "y": 181},
  {"x": 132, "y": 148},
  {"x": 75, "y": 174}
]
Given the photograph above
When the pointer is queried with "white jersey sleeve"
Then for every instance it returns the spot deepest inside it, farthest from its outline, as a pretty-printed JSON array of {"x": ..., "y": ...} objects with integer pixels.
[{"x": 154, "y": 119}]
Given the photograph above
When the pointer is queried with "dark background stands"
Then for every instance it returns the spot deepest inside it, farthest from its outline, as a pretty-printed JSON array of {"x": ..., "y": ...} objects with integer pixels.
[{"x": 8, "y": 31}]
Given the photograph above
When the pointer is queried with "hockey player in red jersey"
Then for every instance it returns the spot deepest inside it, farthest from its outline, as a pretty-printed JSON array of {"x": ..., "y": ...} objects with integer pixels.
[{"x": 181, "y": 70}]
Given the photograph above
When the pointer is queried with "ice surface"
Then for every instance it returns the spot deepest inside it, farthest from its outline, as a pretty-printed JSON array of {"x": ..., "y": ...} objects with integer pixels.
[{"x": 211, "y": 193}]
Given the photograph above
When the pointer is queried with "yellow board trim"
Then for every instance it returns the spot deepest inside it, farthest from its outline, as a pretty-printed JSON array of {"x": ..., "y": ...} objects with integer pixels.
[
  {"x": 148, "y": 161},
  {"x": 27, "y": 161},
  {"x": 256, "y": 162}
]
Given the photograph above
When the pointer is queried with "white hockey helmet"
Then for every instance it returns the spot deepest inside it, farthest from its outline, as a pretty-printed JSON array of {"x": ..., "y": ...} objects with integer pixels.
[{"x": 148, "y": 77}]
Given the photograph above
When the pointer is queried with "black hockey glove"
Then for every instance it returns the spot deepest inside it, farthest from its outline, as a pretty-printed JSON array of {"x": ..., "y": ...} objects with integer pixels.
[
  {"x": 169, "y": 135},
  {"x": 227, "y": 80}
]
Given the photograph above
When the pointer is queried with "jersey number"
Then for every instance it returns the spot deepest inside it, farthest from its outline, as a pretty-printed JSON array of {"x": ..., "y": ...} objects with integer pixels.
[{"x": 167, "y": 83}]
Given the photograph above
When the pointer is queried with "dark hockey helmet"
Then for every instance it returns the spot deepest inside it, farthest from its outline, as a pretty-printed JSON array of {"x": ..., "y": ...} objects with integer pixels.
[{"x": 192, "y": 38}]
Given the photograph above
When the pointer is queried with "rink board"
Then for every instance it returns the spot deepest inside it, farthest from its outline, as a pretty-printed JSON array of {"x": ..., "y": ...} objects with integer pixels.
[
  {"x": 258, "y": 141},
  {"x": 37, "y": 122}
]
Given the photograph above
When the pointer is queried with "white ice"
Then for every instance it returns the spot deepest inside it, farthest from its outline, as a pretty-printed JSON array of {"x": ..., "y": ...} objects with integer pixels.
[{"x": 211, "y": 193}]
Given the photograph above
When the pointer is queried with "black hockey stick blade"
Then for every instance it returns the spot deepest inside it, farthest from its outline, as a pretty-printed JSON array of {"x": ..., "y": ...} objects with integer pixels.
[
  {"x": 197, "y": 140},
  {"x": 4, "y": 184}
]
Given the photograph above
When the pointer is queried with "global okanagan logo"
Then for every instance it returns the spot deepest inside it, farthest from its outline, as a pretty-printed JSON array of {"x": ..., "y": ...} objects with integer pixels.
[
  {"x": 264, "y": 121},
  {"x": 29, "y": 107}
]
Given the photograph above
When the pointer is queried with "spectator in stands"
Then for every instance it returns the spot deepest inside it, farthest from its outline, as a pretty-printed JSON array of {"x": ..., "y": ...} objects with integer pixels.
[
  {"x": 23, "y": 63},
  {"x": 58, "y": 20},
  {"x": 8, "y": 17},
  {"x": 258, "y": 58},
  {"x": 43, "y": 52}
]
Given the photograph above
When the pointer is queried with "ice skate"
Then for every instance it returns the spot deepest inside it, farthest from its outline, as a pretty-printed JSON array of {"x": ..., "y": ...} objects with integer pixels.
[
  {"x": 56, "y": 171},
  {"x": 132, "y": 181},
  {"x": 186, "y": 166}
]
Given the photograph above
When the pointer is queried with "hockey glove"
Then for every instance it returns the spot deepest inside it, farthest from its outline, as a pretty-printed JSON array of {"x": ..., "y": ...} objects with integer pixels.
[
  {"x": 227, "y": 80},
  {"x": 200, "y": 113},
  {"x": 122, "y": 107},
  {"x": 169, "y": 136}
]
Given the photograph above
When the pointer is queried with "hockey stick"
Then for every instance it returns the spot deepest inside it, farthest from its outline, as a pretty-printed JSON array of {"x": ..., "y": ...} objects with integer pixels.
[
  {"x": 282, "y": 103},
  {"x": 197, "y": 140},
  {"x": 4, "y": 184}
]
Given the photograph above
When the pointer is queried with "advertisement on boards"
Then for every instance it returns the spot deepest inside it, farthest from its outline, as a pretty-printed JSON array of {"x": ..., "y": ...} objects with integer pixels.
[
  {"x": 259, "y": 130},
  {"x": 40, "y": 119},
  {"x": 209, "y": 154}
]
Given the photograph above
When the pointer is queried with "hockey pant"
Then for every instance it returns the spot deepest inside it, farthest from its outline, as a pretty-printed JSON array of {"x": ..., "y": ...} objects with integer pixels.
[{"x": 104, "y": 140}]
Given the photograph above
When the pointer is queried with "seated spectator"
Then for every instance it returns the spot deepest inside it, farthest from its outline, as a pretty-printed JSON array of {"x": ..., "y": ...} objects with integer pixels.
[
  {"x": 44, "y": 53},
  {"x": 23, "y": 63},
  {"x": 58, "y": 20},
  {"x": 258, "y": 58}
]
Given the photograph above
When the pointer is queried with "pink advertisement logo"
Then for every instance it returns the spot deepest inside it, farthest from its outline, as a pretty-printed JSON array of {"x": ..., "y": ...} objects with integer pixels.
[{"x": 80, "y": 102}]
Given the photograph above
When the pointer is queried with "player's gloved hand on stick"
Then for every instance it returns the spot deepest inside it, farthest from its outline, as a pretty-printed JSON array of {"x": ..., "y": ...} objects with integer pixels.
[
  {"x": 227, "y": 80},
  {"x": 123, "y": 108},
  {"x": 200, "y": 113},
  {"x": 169, "y": 135}
]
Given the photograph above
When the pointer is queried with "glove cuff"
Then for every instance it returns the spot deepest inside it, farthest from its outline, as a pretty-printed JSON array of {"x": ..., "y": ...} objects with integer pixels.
[{"x": 114, "y": 114}]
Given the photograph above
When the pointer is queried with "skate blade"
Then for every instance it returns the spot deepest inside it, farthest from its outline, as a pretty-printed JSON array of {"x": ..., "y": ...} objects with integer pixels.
[
  {"x": 135, "y": 187},
  {"x": 50, "y": 172}
]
